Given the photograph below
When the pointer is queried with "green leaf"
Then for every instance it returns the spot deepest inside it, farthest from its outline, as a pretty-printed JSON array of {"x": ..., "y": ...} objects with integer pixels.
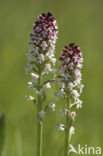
[{"x": 2, "y": 133}]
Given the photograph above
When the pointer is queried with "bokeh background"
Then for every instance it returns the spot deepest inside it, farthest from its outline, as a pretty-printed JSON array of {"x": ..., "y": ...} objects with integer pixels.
[{"x": 79, "y": 21}]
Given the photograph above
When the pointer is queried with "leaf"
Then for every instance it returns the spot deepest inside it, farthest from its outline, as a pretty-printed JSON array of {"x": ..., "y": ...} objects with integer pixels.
[{"x": 2, "y": 133}]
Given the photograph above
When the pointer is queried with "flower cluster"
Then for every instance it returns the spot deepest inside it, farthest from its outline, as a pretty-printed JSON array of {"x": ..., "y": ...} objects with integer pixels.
[
  {"x": 42, "y": 42},
  {"x": 70, "y": 73},
  {"x": 70, "y": 81},
  {"x": 41, "y": 59}
]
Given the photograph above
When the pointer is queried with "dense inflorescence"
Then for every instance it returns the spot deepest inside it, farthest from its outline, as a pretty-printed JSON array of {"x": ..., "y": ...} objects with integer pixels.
[
  {"x": 44, "y": 33},
  {"x": 70, "y": 71},
  {"x": 43, "y": 39},
  {"x": 41, "y": 58}
]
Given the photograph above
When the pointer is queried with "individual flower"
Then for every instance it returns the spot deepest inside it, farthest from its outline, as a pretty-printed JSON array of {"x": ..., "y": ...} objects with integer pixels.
[
  {"x": 64, "y": 111},
  {"x": 41, "y": 58},
  {"x": 44, "y": 45},
  {"x": 70, "y": 85},
  {"x": 80, "y": 86},
  {"x": 53, "y": 60},
  {"x": 48, "y": 68},
  {"x": 50, "y": 53},
  {"x": 78, "y": 103},
  {"x": 52, "y": 106},
  {"x": 71, "y": 132},
  {"x": 73, "y": 114},
  {"x": 30, "y": 85},
  {"x": 75, "y": 94},
  {"x": 47, "y": 85},
  {"x": 30, "y": 98},
  {"x": 35, "y": 76},
  {"x": 60, "y": 126}
]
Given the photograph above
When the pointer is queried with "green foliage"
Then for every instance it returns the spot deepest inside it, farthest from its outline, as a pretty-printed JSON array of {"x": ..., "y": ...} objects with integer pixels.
[{"x": 2, "y": 133}]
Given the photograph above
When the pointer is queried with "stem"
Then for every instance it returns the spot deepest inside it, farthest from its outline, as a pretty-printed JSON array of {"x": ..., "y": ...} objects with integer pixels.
[
  {"x": 67, "y": 129},
  {"x": 39, "y": 138},
  {"x": 39, "y": 120}
]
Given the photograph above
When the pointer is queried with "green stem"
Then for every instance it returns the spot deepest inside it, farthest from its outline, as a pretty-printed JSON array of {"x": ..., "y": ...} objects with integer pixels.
[
  {"x": 39, "y": 138},
  {"x": 67, "y": 129},
  {"x": 39, "y": 120}
]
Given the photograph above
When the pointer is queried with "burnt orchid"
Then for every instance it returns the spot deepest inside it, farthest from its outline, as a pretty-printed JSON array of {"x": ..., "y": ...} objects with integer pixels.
[
  {"x": 41, "y": 62},
  {"x": 70, "y": 89},
  {"x": 41, "y": 66}
]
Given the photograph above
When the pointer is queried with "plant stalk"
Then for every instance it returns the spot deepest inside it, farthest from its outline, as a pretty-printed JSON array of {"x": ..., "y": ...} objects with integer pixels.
[
  {"x": 39, "y": 138},
  {"x": 67, "y": 129},
  {"x": 39, "y": 120}
]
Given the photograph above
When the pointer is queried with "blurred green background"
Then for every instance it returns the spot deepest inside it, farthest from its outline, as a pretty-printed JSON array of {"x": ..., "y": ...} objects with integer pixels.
[{"x": 80, "y": 21}]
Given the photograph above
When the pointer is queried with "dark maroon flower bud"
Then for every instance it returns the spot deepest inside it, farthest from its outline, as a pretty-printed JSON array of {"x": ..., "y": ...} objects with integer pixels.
[
  {"x": 52, "y": 19},
  {"x": 49, "y": 14},
  {"x": 31, "y": 35},
  {"x": 71, "y": 44},
  {"x": 66, "y": 47},
  {"x": 44, "y": 15}
]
